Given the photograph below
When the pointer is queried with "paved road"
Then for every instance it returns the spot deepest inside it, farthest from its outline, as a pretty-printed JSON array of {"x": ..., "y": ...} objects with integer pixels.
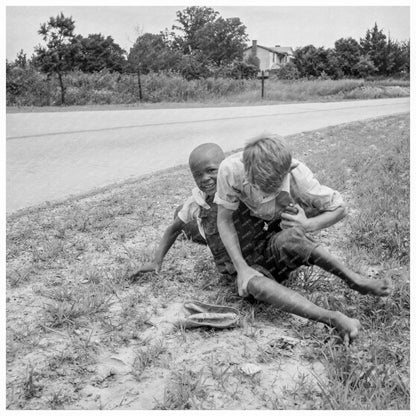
[{"x": 51, "y": 156}]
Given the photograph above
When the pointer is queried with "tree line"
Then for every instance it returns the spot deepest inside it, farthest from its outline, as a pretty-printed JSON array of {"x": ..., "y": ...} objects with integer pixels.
[
  {"x": 202, "y": 44},
  {"x": 374, "y": 55}
]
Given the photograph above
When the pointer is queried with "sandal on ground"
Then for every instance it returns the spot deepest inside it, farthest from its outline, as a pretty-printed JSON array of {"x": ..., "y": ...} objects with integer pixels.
[{"x": 199, "y": 314}]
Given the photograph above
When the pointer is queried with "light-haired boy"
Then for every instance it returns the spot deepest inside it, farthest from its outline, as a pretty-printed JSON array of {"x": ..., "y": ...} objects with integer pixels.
[{"x": 285, "y": 202}]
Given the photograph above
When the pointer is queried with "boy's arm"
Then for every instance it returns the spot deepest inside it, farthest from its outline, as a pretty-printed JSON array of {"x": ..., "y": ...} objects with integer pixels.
[
  {"x": 328, "y": 202},
  {"x": 321, "y": 221},
  {"x": 169, "y": 236},
  {"x": 326, "y": 219},
  {"x": 230, "y": 240}
]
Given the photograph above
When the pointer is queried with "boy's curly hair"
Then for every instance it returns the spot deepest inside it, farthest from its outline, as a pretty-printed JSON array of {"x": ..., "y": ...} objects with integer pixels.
[{"x": 267, "y": 160}]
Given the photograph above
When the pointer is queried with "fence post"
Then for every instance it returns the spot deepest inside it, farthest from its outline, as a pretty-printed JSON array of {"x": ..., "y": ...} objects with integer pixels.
[
  {"x": 140, "y": 84},
  {"x": 48, "y": 89},
  {"x": 262, "y": 84}
]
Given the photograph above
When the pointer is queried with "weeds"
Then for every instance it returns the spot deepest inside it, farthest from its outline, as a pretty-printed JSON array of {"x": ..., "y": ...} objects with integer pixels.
[
  {"x": 107, "y": 88},
  {"x": 307, "y": 278},
  {"x": 305, "y": 393},
  {"x": 219, "y": 372},
  {"x": 184, "y": 391},
  {"x": 362, "y": 381},
  {"x": 57, "y": 400},
  {"x": 71, "y": 305},
  {"x": 30, "y": 387},
  {"x": 147, "y": 357},
  {"x": 17, "y": 277},
  {"x": 51, "y": 250}
]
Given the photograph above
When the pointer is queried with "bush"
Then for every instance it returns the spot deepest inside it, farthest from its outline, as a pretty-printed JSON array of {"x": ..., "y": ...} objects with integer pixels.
[
  {"x": 287, "y": 71},
  {"x": 364, "y": 68},
  {"x": 27, "y": 87}
]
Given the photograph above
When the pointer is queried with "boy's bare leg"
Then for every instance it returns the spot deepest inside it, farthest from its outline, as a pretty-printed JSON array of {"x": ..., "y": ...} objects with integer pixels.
[
  {"x": 286, "y": 299},
  {"x": 329, "y": 263}
]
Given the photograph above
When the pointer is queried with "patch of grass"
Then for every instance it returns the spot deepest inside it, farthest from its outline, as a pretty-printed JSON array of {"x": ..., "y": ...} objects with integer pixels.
[
  {"x": 58, "y": 399},
  {"x": 363, "y": 379},
  {"x": 219, "y": 371},
  {"x": 184, "y": 391},
  {"x": 303, "y": 395},
  {"x": 146, "y": 357},
  {"x": 373, "y": 374},
  {"x": 18, "y": 276},
  {"x": 369, "y": 162},
  {"x": 72, "y": 306},
  {"x": 30, "y": 387},
  {"x": 307, "y": 279},
  {"x": 382, "y": 192},
  {"x": 50, "y": 250}
]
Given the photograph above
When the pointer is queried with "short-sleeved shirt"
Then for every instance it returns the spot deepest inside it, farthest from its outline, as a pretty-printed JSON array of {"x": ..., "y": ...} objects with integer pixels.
[
  {"x": 192, "y": 208},
  {"x": 300, "y": 183}
]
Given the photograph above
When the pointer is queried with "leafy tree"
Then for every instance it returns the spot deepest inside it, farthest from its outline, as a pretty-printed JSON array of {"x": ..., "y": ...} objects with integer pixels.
[
  {"x": 98, "y": 53},
  {"x": 333, "y": 67},
  {"x": 194, "y": 66},
  {"x": 253, "y": 60},
  {"x": 222, "y": 41},
  {"x": 191, "y": 20},
  {"x": 287, "y": 71},
  {"x": 151, "y": 52},
  {"x": 315, "y": 62},
  {"x": 21, "y": 60},
  {"x": 374, "y": 45},
  {"x": 62, "y": 49},
  {"x": 364, "y": 67},
  {"x": 209, "y": 40},
  {"x": 238, "y": 69},
  {"x": 304, "y": 60},
  {"x": 401, "y": 53},
  {"x": 348, "y": 53},
  {"x": 321, "y": 62},
  {"x": 307, "y": 61},
  {"x": 398, "y": 57}
]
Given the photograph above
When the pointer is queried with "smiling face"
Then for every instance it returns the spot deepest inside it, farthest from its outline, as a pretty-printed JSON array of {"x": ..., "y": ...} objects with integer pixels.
[{"x": 204, "y": 162}]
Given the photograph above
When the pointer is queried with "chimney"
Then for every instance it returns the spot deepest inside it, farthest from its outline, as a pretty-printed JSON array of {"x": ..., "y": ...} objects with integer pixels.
[{"x": 254, "y": 46}]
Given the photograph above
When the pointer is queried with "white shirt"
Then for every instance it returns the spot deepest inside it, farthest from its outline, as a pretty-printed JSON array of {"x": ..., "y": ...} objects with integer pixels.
[
  {"x": 300, "y": 183},
  {"x": 192, "y": 207}
]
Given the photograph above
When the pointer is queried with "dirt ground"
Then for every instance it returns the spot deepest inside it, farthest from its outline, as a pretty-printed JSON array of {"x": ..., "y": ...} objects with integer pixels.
[
  {"x": 125, "y": 352},
  {"x": 80, "y": 335}
]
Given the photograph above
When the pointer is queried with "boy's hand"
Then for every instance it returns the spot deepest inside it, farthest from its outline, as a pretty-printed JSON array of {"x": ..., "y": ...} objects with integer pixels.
[
  {"x": 291, "y": 209},
  {"x": 294, "y": 216},
  {"x": 243, "y": 278},
  {"x": 151, "y": 266}
]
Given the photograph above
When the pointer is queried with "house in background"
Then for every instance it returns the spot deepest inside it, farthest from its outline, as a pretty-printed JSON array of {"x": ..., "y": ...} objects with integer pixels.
[{"x": 269, "y": 57}]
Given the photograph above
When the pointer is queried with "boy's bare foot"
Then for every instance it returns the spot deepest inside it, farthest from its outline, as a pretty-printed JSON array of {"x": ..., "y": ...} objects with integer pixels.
[
  {"x": 382, "y": 287},
  {"x": 347, "y": 327}
]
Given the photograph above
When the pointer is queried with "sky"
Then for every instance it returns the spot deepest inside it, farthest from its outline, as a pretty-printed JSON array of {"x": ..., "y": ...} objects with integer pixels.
[{"x": 293, "y": 26}]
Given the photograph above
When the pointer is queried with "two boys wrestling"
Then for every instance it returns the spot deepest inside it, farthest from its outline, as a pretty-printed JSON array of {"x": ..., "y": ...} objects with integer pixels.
[{"x": 254, "y": 210}]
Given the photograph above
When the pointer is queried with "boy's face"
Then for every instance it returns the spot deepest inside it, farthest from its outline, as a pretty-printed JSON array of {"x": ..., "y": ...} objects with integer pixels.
[{"x": 205, "y": 171}]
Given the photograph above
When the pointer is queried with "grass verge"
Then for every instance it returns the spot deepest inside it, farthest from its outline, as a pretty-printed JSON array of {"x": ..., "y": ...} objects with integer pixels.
[{"x": 81, "y": 336}]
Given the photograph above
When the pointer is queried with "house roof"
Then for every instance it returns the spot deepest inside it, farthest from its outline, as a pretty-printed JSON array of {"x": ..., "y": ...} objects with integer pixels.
[{"x": 285, "y": 50}]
